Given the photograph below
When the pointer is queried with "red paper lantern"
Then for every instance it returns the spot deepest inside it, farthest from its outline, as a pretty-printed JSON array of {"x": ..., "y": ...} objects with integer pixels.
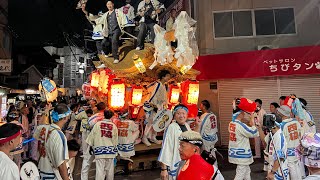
[
  {"x": 136, "y": 101},
  {"x": 136, "y": 95},
  {"x": 190, "y": 91},
  {"x": 95, "y": 79},
  {"x": 190, "y": 96},
  {"x": 116, "y": 98},
  {"x": 105, "y": 77},
  {"x": 174, "y": 93}
]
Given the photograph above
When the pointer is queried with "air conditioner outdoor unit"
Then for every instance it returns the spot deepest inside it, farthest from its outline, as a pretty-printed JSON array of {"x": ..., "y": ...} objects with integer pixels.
[{"x": 266, "y": 47}]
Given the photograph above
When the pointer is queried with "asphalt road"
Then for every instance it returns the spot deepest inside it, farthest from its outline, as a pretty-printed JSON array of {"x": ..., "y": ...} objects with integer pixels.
[{"x": 227, "y": 169}]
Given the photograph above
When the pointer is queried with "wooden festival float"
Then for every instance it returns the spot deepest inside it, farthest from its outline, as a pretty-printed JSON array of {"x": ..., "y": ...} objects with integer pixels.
[{"x": 123, "y": 86}]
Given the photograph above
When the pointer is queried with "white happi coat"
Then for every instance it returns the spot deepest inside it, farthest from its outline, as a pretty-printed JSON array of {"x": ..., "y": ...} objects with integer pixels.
[
  {"x": 83, "y": 117},
  {"x": 239, "y": 145},
  {"x": 308, "y": 123},
  {"x": 209, "y": 130},
  {"x": 53, "y": 151},
  {"x": 8, "y": 170},
  {"x": 128, "y": 11},
  {"x": 126, "y": 138},
  {"x": 93, "y": 120},
  {"x": 280, "y": 144},
  {"x": 121, "y": 19},
  {"x": 104, "y": 139},
  {"x": 291, "y": 129},
  {"x": 157, "y": 95},
  {"x": 169, "y": 154}
]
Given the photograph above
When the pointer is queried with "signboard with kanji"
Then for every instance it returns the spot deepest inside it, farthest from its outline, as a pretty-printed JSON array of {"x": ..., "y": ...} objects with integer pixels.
[
  {"x": 262, "y": 63},
  {"x": 5, "y": 65}
]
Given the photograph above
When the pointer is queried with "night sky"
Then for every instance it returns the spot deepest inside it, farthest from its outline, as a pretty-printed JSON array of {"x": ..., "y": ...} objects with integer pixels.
[{"x": 42, "y": 22}]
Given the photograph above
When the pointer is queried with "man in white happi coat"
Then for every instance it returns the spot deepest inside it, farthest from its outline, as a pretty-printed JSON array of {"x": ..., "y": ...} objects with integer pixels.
[
  {"x": 87, "y": 157},
  {"x": 128, "y": 11},
  {"x": 239, "y": 134},
  {"x": 113, "y": 23},
  {"x": 103, "y": 141},
  {"x": 83, "y": 117},
  {"x": 291, "y": 129},
  {"x": 208, "y": 128},
  {"x": 128, "y": 132},
  {"x": 308, "y": 125},
  {"x": 148, "y": 10},
  {"x": 157, "y": 100},
  {"x": 169, "y": 155},
  {"x": 10, "y": 138},
  {"x": 277, "y": 149},
  {"x": 53, "y": 146}
]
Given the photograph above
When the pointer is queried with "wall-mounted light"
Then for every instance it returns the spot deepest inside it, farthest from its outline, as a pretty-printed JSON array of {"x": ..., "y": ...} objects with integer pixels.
[{"x": 81, "y": 71}]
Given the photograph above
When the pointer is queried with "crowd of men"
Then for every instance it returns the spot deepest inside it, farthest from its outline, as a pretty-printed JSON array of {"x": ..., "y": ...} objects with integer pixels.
[
  {"x": 288, "y": 135},
  {"x": 53, "y": 133},
  {"x": 108, "y": 27},
  {"x": 104, "y": 135}
]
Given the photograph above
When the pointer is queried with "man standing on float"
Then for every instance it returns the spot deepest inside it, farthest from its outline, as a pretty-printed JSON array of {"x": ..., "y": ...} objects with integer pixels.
[{"x": 157, "y": 100}]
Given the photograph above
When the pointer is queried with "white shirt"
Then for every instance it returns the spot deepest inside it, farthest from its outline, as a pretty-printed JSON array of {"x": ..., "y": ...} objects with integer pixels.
[
  {"x": 53, "y": 150},
  {"x": 208, "y": 130},
  {"x": 169, "y": 154},
  {"x": 279, "y": 143},
  {"x": 291, "y": 129},
  {"x": 239, "y": 144},
  {"x": 126, "y": 140},
  {"x": 9, "y": 170},
  {"x": 104, "y": 139}
]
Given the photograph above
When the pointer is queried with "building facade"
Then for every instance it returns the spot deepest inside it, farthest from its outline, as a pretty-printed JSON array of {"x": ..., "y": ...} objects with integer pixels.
[
  {"x": 234, "y": 26},
  {"x": 243, "y": 25},
  {"x": 5, "y": 36},
  {"x": 73, "y": 68}
]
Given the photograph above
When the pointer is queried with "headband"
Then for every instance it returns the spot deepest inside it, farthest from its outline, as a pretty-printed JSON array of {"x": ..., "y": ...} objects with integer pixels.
[
  {"x": 56, "y": 117},
  {"x": 179, "y": 107},
  {"x": 7, "y": 139},
  {"x": 194, "y": 142}
]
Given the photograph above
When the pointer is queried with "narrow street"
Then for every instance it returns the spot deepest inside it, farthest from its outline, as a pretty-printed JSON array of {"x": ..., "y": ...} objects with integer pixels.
[{"x": 227, "y": 169}]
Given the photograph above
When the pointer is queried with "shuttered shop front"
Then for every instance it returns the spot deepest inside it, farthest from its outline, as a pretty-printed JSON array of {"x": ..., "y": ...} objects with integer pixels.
[
  {"x": 268, "y": 90},
  {"x": 307, "y": 87}
]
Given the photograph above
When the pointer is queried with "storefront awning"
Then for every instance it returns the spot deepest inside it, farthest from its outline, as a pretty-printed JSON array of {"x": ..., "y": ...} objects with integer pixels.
[{"x": 262, "y": 63}]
